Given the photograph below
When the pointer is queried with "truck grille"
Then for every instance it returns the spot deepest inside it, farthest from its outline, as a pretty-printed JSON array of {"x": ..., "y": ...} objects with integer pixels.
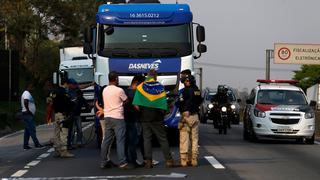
[{"x": 285, "y": 118}]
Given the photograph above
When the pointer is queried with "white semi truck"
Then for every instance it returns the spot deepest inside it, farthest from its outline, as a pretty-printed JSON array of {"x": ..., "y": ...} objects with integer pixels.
[
  {"x": 79, "y": 67},
  {"x": 313, "y": 94}
]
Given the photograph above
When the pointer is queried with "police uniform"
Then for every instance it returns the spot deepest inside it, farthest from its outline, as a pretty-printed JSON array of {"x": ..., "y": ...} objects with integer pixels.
[
  {"x": 189, "y": 102},
  {"x": 62, "y": 106}
]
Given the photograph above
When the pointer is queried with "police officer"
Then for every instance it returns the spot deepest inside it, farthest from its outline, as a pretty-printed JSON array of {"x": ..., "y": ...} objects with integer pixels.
[
  {"x": 189, "y": 102},
  {"x": 62, "y": 106}
]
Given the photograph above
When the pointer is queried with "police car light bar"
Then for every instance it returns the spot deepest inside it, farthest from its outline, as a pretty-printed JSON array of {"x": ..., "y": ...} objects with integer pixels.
[{"x": 277, "y": 81}]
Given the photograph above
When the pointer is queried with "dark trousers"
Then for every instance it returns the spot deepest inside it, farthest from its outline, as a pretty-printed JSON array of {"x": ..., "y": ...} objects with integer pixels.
[
  {"x": 157, "y": 128},
  {"x": 132, "y": 140},
  {"x": 30, "y": 130}
]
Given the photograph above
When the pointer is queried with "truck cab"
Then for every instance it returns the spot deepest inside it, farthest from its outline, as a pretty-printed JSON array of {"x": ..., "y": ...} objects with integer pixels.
[
  {"x": 78, "y": 66},
  {"x": 134, "y": 38}
]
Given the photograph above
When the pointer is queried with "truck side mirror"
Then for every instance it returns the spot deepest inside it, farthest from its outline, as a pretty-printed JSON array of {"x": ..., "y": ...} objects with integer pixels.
[
  {"x": 200, "y": 33},
  {"x": 202, "y": 48},
  {"x": 87, "y": 48},
  {"x": 88, "y": 36}
]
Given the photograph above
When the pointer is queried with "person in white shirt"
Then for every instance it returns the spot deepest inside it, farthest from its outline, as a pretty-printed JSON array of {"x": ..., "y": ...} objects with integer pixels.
[{"x": 28, "y": 111}]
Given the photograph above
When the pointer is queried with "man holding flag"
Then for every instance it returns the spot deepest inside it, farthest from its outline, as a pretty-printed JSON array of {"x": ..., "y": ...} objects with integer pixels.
[{"x": 150, "y": 99}]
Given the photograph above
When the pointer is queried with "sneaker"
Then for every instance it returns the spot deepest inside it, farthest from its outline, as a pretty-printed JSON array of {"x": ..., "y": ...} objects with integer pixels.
[
  {"x": 155, "y": 162},
  {"x": 39, "y": 146},
  {"x": 26, "y": 147},
  {"x": 109, "y": 164},
  {"x": 126, "y": 166}
]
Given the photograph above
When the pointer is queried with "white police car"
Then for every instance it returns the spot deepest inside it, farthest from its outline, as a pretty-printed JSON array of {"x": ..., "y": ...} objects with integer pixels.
[{"x": 278, "y": 109}]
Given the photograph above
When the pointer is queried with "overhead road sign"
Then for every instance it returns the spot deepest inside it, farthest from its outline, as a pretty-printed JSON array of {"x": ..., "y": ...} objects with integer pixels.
[{"x": 296, "y": 53}]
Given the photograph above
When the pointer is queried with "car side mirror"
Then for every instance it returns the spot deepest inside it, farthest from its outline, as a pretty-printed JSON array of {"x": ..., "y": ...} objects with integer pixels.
[
  {"x": 248, "y": 101},
  {"x": 313, "y": 104}
]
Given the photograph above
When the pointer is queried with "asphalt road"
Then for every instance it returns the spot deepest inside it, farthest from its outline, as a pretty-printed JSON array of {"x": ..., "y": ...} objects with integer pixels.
[{"x": 221, "y": 157}]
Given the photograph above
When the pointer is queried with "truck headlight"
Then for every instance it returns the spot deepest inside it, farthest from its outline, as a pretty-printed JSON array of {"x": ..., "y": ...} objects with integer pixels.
[
  {"x": 233, "y": 106},
  {"x": 210, "y": 106},
  {"x": 309, "y": 115},
  {"x": 259, "y": 113}
]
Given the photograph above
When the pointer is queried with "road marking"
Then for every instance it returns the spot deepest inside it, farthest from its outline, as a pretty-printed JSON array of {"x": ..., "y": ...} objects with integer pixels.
[
  {"x": 317, "y": 142},
  {"x": 33, "y": 163},
  {"x": 44, "y": 155},
  {"x": 19, "y": 173},
  {"x": 50, "y": 150},
  {"x": 171, "y": 175},
  {"x": 214, "y": 162}
]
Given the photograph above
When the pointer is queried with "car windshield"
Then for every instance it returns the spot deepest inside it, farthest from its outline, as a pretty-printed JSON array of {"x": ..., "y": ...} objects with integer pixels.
[
  {"x": 210, "y": 95},
  {"x": 281, "y": 97}
]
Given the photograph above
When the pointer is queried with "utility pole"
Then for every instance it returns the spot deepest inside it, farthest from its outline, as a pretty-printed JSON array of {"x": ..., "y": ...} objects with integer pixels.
[
  {"x": 199, "y": 72},
  {"x": 269, "y": 56}
]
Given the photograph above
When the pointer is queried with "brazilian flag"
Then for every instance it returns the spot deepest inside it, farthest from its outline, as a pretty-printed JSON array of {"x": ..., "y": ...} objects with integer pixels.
[{"x": 151, "y": 94}]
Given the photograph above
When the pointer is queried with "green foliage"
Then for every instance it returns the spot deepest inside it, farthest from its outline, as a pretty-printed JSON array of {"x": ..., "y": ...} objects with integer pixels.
[{"x": 308, "y": 75}]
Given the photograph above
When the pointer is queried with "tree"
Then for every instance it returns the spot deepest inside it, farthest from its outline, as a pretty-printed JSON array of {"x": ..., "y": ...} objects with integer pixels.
[{"x": 308, "y": 76}]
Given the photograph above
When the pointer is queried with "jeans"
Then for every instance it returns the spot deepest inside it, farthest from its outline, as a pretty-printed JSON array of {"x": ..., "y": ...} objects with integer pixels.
[
  {"x": 114, "y": 128},
  {"x": 77, "y": 127},
  {"x": 30, "y": 130},
  {"x": 131, "y": 141}
]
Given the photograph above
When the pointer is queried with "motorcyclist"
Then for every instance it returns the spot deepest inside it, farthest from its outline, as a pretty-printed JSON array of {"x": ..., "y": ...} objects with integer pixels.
[{"x": 219, "y": 99}]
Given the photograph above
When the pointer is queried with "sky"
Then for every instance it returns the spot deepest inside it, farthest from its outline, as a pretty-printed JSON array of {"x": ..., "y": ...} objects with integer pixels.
[{"x": 238, "y": 32}]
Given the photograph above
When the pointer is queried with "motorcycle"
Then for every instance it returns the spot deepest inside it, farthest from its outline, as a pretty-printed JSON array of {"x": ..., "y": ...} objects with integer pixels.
[
  {"x": 223, "y": 121},
  {"x": 219, "y": 114}
]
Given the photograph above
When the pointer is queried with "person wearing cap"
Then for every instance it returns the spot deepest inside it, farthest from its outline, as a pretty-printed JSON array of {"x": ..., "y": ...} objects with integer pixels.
[{"x": 189, "y": 103}]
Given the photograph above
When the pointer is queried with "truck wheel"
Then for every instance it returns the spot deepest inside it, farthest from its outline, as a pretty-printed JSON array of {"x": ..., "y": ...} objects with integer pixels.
[{"x": 310, "y": 140}]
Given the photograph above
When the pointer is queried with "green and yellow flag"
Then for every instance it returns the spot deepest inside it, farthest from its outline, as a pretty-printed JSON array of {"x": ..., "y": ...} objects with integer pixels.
[{"x": 151, "y": 94}]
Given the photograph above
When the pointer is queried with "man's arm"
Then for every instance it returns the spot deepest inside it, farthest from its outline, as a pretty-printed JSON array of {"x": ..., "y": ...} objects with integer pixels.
[{"x": 26, "y": 104}]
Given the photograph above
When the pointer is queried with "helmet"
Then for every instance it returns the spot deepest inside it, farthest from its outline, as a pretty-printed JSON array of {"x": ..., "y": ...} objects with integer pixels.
[{"x": 222, "y": 89}]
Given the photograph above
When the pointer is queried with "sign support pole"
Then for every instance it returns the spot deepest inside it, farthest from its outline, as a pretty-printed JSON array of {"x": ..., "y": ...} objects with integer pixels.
[{"x": 269, "y": 56}]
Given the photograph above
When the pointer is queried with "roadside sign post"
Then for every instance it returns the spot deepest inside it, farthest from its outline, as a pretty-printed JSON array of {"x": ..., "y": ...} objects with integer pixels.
[{"x": 269, "y": 55}]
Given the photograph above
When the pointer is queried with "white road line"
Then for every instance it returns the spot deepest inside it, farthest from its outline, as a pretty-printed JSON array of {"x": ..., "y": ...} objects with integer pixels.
[
  {"x": 50, "y": 150},
  {"x": 171, "y": 175},
  {"x": 44, "y": 155},
  {"x": 33, "y": 163},
  {"x": 317, "y": 142},
  {"x": 215, "y": 163},
  {"x": 19, "y": 173}
]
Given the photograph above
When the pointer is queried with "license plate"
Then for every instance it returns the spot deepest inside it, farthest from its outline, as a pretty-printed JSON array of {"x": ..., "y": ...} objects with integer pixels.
[{"x": 286, "y": 129}]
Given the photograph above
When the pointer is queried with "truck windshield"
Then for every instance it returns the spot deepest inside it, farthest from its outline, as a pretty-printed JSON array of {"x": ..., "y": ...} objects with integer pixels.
[
  {"x": 145, "y": 41},
  {"x": 281, "y": 97},
  {"x": 83, "y": 75}
]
